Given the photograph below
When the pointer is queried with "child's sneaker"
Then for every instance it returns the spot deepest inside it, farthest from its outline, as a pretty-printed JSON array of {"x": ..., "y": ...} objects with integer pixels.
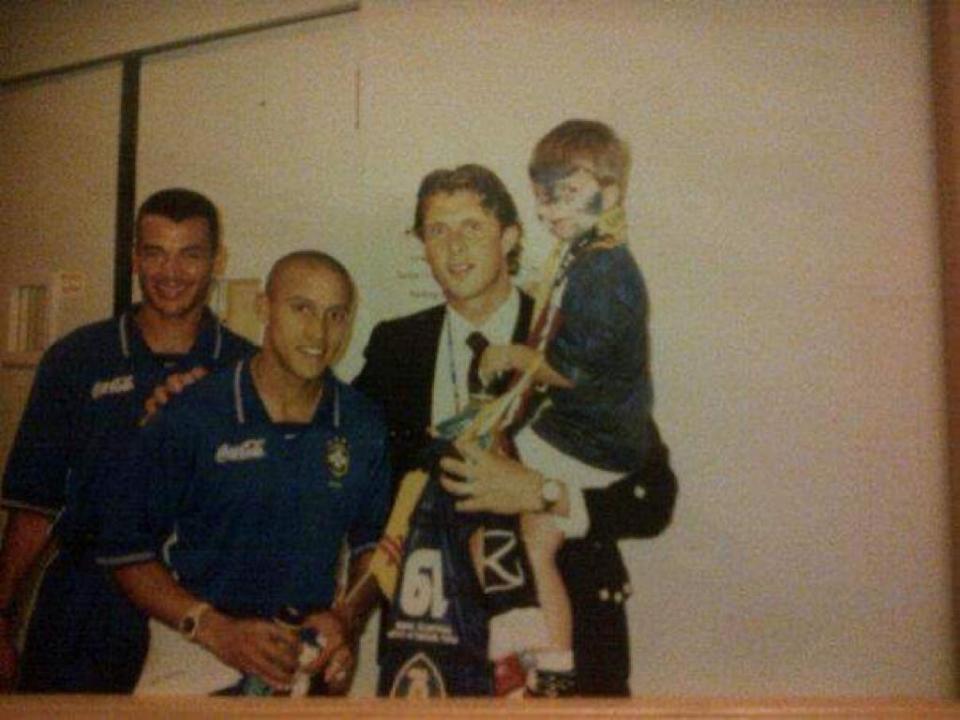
[{"x": 552, "y": 683}]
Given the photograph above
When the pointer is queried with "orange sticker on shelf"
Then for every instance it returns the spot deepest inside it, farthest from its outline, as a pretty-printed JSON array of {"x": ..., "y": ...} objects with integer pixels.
[{"x": 72, "y": 283}]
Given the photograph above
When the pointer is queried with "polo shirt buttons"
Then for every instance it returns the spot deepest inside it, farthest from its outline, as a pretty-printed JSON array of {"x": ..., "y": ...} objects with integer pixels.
[
  {"x": 604, "y": 594},
  {"x": 639, "y": 492}
]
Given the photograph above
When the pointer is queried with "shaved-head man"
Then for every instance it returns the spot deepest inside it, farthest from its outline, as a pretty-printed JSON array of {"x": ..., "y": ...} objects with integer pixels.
[{"x": 262, "y": 471}]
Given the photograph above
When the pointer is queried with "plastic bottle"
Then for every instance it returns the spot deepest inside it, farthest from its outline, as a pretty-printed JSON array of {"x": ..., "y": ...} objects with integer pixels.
[{"x": 310, "y": 647}]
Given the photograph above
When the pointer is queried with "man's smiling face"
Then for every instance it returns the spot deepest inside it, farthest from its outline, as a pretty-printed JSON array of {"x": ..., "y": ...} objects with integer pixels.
[
  {"x": 466, "y": 249},
  {"x": 307, "y": 314}
]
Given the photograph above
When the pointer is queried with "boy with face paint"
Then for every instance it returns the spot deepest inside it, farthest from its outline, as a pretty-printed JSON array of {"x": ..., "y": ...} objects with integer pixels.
[{"x": 594, "y": 423}]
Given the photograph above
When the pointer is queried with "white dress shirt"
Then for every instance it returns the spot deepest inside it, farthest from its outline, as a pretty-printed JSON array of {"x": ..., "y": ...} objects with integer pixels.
[{"x": 450, "y": 392}]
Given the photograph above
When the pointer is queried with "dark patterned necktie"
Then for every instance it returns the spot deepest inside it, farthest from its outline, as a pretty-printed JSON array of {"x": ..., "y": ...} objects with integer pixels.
[{"x": 477, "y": 344}]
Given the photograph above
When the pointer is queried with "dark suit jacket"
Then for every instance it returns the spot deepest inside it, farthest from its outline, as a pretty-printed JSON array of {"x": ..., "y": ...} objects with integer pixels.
[
  {"x": 401, "y": 359},
  {"x": 400, "y": 363}
]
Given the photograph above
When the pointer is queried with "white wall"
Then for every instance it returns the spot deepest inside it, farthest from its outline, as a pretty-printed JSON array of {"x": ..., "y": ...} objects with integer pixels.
[
  {"x": 266, "y": 125},
  {"x": 782, "y": 208},
  {"x": 58, "y": 189}
]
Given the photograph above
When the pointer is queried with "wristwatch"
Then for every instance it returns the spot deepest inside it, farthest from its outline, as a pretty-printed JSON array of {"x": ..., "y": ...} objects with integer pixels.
[
  {"x": 550, "y": 492},
  {"x": 190, "y": 622}
]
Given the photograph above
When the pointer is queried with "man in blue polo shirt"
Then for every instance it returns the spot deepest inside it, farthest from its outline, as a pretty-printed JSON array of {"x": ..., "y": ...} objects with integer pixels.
[
  {"x": 259, "y": 474},
  {"x": 84, "y": 635}
]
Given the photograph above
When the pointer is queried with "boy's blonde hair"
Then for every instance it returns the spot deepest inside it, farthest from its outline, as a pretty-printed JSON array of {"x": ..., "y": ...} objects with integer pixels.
[{"x": 580, "y": 143}]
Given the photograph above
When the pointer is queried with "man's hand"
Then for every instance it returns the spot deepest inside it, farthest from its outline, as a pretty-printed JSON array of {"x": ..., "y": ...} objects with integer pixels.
[
  {"x": 26, "y": 536},
  {"x": 258, "y": 647},
  {"x": 491, "y": 482},
  {"x": 174, "y": 385},
  {"x": 8, "y": 656},
  {"x": 336, "y": 657}
]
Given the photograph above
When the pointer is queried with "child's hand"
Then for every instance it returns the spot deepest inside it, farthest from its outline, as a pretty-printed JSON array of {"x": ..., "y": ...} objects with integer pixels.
[{"x": 496, "y": 359}]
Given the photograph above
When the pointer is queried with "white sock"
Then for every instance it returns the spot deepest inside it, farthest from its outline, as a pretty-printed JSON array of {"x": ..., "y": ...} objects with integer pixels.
[{"x": 555, "y": 660}]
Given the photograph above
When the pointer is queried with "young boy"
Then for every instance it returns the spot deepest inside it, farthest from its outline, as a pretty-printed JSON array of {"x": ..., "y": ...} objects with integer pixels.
[{"x": 594, "y": 423}]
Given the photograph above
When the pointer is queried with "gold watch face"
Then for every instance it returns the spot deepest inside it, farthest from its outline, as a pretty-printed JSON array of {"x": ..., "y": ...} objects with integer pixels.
[{"x": 551, "y": 491}]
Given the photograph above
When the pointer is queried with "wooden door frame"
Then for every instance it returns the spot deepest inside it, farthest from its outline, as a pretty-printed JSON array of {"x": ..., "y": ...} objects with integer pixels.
[{"x": 945, "y": 82}]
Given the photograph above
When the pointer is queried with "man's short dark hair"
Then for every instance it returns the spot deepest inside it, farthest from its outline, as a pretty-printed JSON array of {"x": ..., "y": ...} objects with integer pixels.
[
  {"x": 179, "y": 204},
  {"x": 309, "y": 257},
  {"x": 493, "y": 194}
]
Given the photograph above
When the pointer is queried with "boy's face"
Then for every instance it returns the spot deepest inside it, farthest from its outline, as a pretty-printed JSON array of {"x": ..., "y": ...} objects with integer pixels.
[{"x": 572, "y": 204}]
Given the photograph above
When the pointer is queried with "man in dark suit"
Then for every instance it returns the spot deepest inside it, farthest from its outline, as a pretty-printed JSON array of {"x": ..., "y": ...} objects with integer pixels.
[{"x": 419, "y": 367}]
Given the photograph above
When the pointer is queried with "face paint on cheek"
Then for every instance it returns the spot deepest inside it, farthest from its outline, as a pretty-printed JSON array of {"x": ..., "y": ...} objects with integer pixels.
[
  {"x": 547, "y": 179},
  {"x": 595, "y": 204}
]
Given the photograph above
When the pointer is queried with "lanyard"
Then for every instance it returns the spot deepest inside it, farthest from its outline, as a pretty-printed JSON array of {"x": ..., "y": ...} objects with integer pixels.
[{"x": 453, "y": 366}]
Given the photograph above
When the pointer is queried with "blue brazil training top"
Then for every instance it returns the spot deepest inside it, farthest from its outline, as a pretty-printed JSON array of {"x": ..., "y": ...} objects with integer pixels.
[
  {"x": 86, "y": 399},
  {"x": 258, "y": 510}
]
